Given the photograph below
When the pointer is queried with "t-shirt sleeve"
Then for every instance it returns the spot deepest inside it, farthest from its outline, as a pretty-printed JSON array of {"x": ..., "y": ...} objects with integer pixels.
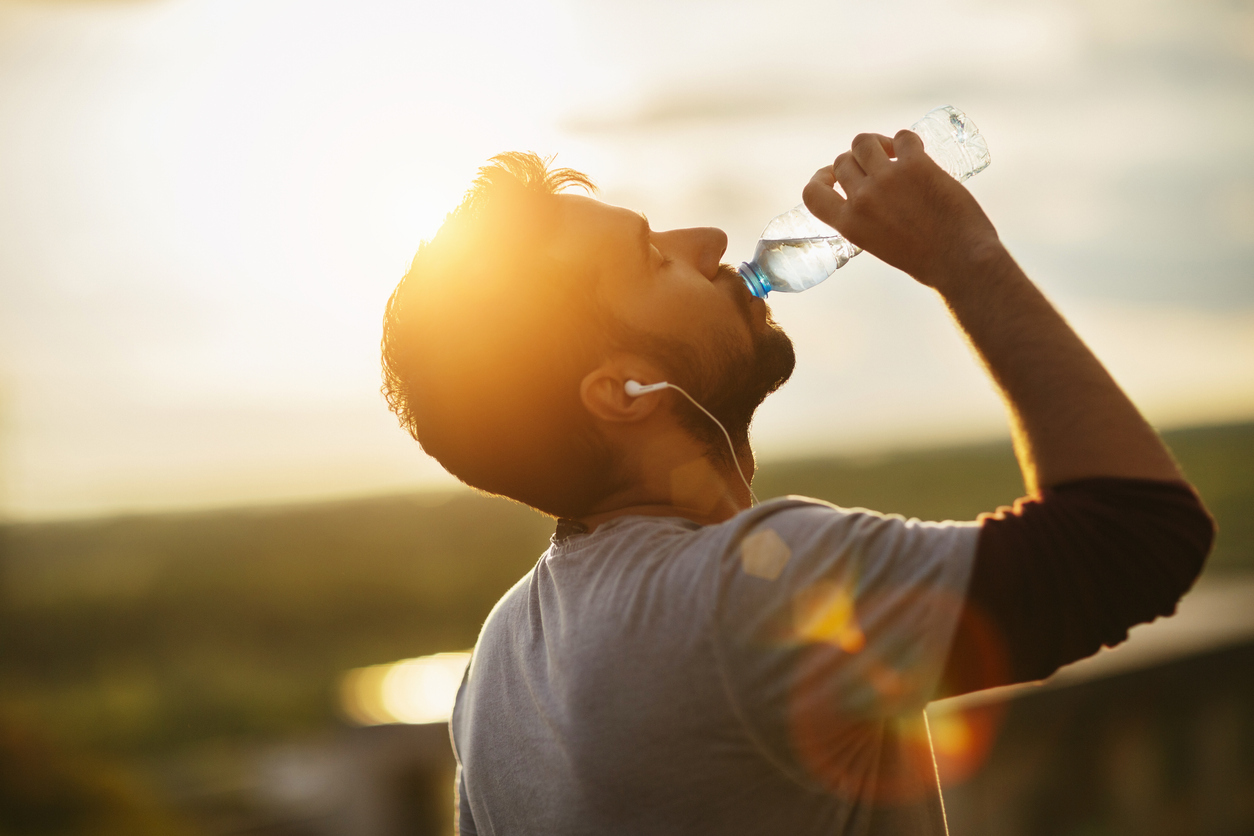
[
  {"x": 832, "y": 621},
  {"x": 1058, "y": 576}
]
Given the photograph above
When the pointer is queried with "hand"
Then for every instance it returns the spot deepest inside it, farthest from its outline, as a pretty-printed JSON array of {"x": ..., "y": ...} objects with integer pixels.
[{"x": 902, "y": 207}]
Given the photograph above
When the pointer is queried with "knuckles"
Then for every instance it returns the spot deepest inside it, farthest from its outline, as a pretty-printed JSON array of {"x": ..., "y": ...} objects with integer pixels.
[
  {"x": 906, "y": 138},
  {"x": 864, "y": 140}
]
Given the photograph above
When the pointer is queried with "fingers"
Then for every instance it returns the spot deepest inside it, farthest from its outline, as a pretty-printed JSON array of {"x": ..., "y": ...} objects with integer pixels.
[
  {"x": 871, "y": 151},
  {"x": 820, "y": 195},
  {"x": 849, "y": 175},
  {"x": 868, "y": 155},
  {"x": 907, "y": 144}
]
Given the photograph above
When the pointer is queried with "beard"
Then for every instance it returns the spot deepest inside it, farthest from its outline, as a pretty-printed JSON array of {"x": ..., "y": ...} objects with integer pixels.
[{"x": 723, "y": 375}]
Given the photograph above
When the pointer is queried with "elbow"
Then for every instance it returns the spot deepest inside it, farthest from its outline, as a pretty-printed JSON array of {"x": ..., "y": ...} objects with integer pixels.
[
  {"x": 1175, "y": 542},
  {"x": 1188, "y": 541}
]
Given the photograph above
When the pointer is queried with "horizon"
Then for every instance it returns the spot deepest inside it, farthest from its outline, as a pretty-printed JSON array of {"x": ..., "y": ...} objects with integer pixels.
[{"x": 436, "y": 494}]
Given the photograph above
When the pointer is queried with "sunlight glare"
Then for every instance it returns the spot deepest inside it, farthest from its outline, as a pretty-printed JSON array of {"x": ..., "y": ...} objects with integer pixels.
[{"x": 412, "y": 691}]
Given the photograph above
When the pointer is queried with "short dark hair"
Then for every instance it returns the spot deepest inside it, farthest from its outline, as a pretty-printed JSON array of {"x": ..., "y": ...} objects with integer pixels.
[{"x": 485, "y": 341}]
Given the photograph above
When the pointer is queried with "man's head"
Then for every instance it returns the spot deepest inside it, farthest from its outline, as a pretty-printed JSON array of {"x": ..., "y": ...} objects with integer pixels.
[{"x": 506, "y": 346}]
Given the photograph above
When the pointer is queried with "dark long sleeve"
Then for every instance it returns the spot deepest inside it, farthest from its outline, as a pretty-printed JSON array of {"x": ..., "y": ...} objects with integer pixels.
[{"x": 1058, "y": 577}]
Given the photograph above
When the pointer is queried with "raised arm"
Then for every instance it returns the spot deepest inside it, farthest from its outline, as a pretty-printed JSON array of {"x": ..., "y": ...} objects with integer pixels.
[
  {"x": 1069, "y": 418},
  {"x": 1110, "y": 535}
]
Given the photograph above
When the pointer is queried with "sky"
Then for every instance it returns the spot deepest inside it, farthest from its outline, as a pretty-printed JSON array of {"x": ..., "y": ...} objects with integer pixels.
[{"x": 205, "y": 203}]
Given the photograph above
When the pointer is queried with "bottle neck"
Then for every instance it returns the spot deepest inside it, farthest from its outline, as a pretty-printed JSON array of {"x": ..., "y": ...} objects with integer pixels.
[{"x": 754, "y": 279}]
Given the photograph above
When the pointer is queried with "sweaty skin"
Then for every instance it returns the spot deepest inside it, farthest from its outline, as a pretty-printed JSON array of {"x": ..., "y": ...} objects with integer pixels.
[{"x": 1069, "y": 418}]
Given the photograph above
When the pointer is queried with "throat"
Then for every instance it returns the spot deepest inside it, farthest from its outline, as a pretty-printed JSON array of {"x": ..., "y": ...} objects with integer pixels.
[{"x": 694, "y": 490}]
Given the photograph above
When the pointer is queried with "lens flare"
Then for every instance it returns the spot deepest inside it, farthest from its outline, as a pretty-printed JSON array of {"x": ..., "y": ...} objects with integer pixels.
[
  {"x": 824, "y": 612},
  {"x": 962, "y": 738}
]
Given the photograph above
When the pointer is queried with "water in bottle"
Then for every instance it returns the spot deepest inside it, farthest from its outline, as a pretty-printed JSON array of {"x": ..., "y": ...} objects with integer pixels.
[{"x": 797, "y": 250}]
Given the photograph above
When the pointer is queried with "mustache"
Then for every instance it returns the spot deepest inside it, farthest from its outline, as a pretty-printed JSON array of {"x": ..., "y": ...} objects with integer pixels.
[{"x": 741, "y": 294}]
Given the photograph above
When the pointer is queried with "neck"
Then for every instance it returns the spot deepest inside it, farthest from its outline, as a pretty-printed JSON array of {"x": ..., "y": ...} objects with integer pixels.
[{"x": 686, "y": 483}]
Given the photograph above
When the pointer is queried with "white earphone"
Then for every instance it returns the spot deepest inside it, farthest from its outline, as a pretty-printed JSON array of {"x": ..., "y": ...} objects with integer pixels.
[{"x": 635, "y": 389}]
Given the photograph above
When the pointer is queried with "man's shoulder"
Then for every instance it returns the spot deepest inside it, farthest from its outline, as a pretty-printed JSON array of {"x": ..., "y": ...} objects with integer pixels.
[
  {"x": 799, "y": 516},
  {"x": 797, "y": 536},
  {"x": 642, "y": 543},
  {"x": 802, "y": 516}
]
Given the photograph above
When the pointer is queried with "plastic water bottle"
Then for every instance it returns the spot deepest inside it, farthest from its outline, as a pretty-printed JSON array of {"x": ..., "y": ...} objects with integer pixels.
[{"x": 797, "y": 250}]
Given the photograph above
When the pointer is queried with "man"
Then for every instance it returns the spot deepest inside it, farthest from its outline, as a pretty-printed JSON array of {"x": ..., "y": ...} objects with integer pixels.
[{"x": 684, "y": 661}]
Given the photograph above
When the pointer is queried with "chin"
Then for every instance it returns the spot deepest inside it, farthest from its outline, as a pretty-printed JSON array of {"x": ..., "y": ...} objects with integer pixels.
[
  {"x": 742, "y": 392},
  {"x": 776, "y": 357}
]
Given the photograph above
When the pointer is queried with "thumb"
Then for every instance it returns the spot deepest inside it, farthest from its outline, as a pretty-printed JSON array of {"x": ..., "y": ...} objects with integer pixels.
[{"x": 820, "y": 195}]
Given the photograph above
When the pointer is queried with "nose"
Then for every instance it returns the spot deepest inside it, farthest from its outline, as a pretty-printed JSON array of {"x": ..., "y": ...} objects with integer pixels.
[{"x": 702, "y": 247}]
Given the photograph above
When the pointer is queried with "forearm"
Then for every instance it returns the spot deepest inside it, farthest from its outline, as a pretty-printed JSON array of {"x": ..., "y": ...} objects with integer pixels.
[{"x": 1069, "y": 418}]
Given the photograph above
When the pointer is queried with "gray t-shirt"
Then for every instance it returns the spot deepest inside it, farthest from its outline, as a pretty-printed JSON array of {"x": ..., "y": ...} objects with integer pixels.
[{"x": 764, "y": 675}]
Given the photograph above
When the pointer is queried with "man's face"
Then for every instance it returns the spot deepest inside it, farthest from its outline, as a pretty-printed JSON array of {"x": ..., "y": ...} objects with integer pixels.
[{"x": 674, "y": 302}]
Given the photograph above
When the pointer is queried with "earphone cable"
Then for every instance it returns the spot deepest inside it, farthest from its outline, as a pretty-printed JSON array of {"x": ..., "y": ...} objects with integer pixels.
[{"x": 735, "y": 459}]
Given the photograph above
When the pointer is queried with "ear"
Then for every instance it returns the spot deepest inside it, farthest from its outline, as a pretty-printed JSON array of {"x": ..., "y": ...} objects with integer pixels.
[{"x": 604, "y": 391}]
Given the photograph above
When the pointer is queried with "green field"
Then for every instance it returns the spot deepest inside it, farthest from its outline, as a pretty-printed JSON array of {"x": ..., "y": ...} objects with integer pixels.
[{"x": 135, "y": 637}]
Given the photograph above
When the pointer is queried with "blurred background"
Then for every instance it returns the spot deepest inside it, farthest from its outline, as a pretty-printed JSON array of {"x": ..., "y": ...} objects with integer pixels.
[{"x": 230, "y": 586}]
